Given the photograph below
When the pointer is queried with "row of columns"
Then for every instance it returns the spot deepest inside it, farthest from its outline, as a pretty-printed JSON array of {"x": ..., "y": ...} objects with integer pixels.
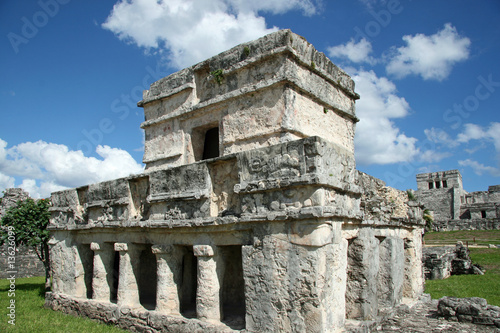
[
  {"x": 168, "y": 259},
  {"x": 381, "y": 271}
]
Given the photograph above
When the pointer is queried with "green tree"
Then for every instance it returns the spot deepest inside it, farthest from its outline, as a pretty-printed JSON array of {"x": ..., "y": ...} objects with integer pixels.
[{"x": 26, "y": 224}]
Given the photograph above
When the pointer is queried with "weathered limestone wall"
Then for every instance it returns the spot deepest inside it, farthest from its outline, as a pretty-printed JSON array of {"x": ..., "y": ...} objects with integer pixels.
[
  {"x": 294, "y": 215},
  {"x": 272, "y": 90}
]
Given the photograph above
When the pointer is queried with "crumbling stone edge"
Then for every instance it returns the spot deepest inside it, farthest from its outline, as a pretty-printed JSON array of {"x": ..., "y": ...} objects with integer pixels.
[
  {"x": 135, "y": 320},
  {"x": 472, "y": 309}
]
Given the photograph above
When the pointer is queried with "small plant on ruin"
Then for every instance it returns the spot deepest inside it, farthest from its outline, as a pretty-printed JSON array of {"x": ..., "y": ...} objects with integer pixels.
[
  {"x": 411, "y": 196},
  {"x": 313, "y": 65},
  {"x": 218, "y": 75},
  {"x": 246, "y": 51},
  {"x": 428, "y": 219},
  {"x": 26, "y": 224},
  {"x": 325, "y": 110}
]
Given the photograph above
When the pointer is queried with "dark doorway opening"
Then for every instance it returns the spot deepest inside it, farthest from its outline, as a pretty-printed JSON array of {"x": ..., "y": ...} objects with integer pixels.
[
  {"x": 188, "y": 284},
  {"x": 114, "y": 281},
  {"x": 233, "y": 287},
  {"x": 147, "y": 278},
  {"x": 211, "y": 144}
]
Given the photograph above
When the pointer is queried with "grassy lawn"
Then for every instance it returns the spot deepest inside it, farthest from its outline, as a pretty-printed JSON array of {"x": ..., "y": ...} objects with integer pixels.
[
  {"x": 31, "y": 316},
  {"x": 481, "y": 237},
  {"x": 486, "y": 286}
]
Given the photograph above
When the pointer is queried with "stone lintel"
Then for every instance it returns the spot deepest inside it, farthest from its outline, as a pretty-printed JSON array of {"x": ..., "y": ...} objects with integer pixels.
[
  {"x": 121, "y": 247},
  {"x": 203, "y": 250},
  {"x": 99, "y": 246},
  {"x": 162, "y": 249}
]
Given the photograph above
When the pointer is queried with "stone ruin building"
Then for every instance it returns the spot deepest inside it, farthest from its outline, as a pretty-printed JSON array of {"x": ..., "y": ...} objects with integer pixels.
[
  {"x": 452, "y": 207},
  {"x": 27, "y": 263},
  {"x": 250, "y": 215}
]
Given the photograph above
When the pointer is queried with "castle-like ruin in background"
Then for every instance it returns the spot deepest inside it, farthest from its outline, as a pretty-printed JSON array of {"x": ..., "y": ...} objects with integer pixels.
[
  {"x": 452, "y": 207},
  {"x": 250, "y": 214}
]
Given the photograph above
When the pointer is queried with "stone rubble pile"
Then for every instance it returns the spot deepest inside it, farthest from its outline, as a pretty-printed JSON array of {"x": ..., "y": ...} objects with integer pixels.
[
  {"x": 473, "y": 309},
  {"x": 444, "y": 261}
]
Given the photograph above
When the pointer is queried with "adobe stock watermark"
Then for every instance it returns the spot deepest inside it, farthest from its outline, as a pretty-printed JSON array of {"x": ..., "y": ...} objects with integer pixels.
[
  {"x": 11, "y": 272},
  {"x": 121, "y": 108},
  {"x": 31, "y": 27},
  {"x": 460, "y": 111},
  {"x": 381, "y": 19}
]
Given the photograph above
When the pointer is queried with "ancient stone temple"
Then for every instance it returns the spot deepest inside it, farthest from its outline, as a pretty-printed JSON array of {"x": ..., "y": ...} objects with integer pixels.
[
  {"x": 250, "y": 214},
  {"x": 454, "y": 208}
]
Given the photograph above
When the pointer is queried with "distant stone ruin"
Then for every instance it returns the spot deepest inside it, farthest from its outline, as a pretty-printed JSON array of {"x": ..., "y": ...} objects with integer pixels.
[
  {"x": 452, "y": 207},
  {"x": 440, "y": 262},
  {"x": 26, "y": 263},
  {"x": 250, "y": 214}
]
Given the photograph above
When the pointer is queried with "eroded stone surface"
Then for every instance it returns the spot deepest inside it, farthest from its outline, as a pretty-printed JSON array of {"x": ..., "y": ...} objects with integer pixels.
[{"x": 424, "y": 317}]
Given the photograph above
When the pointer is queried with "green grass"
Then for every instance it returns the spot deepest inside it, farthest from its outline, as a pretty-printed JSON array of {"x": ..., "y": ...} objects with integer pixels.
[
  {"x": 481, "y": 237},
  {"x": 485, "y": 286},
  {"x": 31, "y": 316}
]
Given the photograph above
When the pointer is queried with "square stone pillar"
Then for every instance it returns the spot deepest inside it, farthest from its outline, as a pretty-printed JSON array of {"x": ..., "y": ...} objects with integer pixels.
[
  {"x": 102, "y": 277},
  {"x": 55, "y": 265},
  {"x": 169, "y": 265},
  {"x": 128, "y": 289},
  {"x": 362, "y": 271},
  {"x": 208, "y": 291},
  {"x": 413, "y": 285},
  {"x": 391, "y": 272}
]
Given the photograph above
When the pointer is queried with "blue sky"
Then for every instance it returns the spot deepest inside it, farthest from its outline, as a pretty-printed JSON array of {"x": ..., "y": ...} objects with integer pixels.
[{"x": 72, "y": 72}]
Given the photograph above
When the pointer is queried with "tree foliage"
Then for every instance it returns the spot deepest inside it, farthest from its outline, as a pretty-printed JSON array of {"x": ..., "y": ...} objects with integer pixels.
[
  {"x": 29, "y": 220},
  {"x": 429, "y": 221}
]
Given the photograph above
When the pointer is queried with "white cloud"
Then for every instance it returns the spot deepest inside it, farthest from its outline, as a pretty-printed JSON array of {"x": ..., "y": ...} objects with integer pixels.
[
  {"x": 476, "y": 132},
  {"x": 471, "y": 132},
  {"x": 378, "y": 140},
  {"x": 437, "y": 135},
  {"x": 431, "y": 57},
  {"x": 6, "y": 182},
  {"x": 276, "y": 6},
  {"x": 432, "y": 156},
  {"x": 479, "y": 169},
  {"x": 42, "y": 191},
  {"x": 354, "y": 52},
  {"x": 191, "y": 31},
  {"x": 55, "y": 167}
]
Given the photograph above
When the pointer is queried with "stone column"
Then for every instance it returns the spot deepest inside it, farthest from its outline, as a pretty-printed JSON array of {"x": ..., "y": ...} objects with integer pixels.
[
  {"x": 207, "y": 294},
  {"x": 413, "y": 284},
  {"x": 362, "y": 271},
  {"x": 168, "y": 259},
  {"x": 128, "y": 289},
  {"x": 55, "y": 265},
  {"x": 391, "y": 272},
  {"x": 102, "y": 277}
]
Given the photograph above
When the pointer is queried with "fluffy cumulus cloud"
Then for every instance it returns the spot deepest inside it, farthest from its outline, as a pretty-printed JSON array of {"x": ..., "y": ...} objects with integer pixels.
[
  {"x": 432, "y": 57},
  {"x": 47, "y": 167},
  {"x": 189, "y": 31},
  {"x": 378, "y": 140},
  {"x": 355, "y": 52},
  {"x": 6, "y": 181}
]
